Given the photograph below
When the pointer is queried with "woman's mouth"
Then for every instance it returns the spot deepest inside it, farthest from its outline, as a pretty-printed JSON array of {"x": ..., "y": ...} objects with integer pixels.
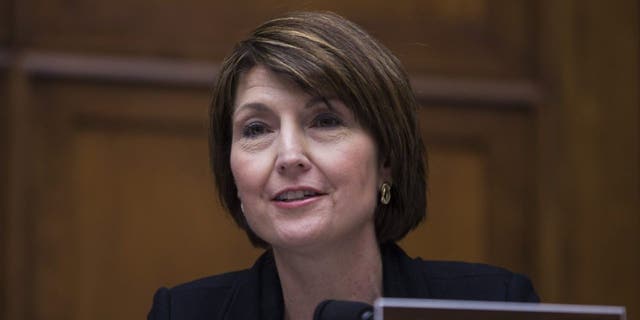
[{"x": 289, "y": 196}]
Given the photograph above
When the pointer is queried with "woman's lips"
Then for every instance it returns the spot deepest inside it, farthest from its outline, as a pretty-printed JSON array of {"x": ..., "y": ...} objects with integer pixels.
[
  {"x": 295, "y": 197},
  {"x": 292, "y": 204},
  {"x": 295, "y": 193}
]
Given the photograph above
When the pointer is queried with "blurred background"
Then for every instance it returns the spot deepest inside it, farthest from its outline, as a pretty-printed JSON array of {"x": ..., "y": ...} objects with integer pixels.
[{"x": 529, "y": 110}]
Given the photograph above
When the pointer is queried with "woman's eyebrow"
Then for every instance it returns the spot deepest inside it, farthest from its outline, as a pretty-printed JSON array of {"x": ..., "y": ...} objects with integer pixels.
[
  {"x": 256, "y": 106},
  {"x": 261, "y": 107},
  {"x": 315, "y": 101}
]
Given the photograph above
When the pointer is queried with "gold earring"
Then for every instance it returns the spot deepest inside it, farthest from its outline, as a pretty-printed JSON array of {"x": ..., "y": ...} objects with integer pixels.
[{"x": 385, "y": 193}]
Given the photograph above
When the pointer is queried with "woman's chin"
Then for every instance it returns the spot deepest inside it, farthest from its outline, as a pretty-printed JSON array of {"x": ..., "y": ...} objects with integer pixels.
[
  {"x": 295, "y": 231},
  {"x": 295, "y": 240}
]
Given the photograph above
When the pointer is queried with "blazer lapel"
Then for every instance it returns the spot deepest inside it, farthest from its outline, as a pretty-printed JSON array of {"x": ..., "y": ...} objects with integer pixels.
[
  {"x": 258, "y": 294},
  {"x": 403, "y": 277}
]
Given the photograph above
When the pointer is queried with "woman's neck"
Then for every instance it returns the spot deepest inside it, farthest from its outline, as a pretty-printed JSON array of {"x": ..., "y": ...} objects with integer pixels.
[{"x": 351, "y": 271}]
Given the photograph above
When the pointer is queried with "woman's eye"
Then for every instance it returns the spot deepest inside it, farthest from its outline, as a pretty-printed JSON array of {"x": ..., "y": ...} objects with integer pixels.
[
  {"x": 254, "y": 129},
  {"x": 326, "y": 120}
]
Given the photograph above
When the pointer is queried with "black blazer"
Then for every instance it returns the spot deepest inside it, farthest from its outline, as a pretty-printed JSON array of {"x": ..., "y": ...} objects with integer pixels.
[{"x": 256, "y": 293}]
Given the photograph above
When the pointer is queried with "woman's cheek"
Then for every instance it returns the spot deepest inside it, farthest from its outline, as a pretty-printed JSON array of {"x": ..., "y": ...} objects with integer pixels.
[{"x": 250, "y": 171}]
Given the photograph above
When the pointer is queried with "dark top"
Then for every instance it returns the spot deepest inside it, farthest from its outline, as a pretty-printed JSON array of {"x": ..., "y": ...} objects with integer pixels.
[{"x": 256, "y": 293}]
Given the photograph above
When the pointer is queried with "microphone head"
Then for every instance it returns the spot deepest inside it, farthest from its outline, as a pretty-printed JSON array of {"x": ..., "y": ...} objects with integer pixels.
[{"x": 343, "y": 310}]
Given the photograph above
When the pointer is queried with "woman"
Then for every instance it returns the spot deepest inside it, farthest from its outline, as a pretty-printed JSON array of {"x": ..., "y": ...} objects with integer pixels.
[{"x": 318, "y": 157}]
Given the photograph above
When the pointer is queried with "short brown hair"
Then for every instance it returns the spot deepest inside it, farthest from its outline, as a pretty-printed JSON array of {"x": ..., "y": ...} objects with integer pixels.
[{"x": 329, "y": 56}]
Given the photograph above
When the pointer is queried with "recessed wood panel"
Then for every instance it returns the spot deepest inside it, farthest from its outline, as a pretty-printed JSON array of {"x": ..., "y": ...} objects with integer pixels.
[
  {"x": 146, "y": 209},
  {"x": 480, "y": 190},
  {"x": 463, "y": 38},
  {"x": 130, "y": 204},
  {"x": 457, "y": 217}
]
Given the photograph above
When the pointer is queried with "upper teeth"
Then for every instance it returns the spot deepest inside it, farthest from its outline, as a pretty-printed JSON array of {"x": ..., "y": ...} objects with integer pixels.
[{"x": 294, "y": 195}]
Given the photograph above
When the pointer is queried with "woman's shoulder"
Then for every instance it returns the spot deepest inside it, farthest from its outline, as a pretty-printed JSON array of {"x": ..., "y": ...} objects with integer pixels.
[
  {"x": 197, "y": 299},
  {"x": 453, "y": 279},
  {"x": 442, "y": 269},
  {"x": 476, "y": 281},
  {"x": 214, "y": 282},
  {"x": 214, "y": 296}
]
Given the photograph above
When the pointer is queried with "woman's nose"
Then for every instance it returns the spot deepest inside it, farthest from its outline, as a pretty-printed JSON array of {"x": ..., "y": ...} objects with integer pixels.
[{"x": 292, "y": 153}]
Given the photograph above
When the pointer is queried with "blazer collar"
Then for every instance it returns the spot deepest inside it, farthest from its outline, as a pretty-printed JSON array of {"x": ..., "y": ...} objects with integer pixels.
[
  {"x": 402, "y": 277},
  {"x": 257, "y": 293}
]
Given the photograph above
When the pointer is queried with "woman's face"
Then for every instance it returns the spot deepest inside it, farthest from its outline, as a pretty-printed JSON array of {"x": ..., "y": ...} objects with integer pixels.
[{"x": 306, "y": 172}]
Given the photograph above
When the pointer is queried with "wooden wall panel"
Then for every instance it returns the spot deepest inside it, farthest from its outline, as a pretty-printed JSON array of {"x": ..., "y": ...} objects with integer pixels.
[
  {"x": 130, "y": 204},
  {"x": 4, "y": 184},
  {"x": 591, "y": 59},
  {"x": 481, "y": 186},
  {"x": 20, "y": 181},
  {"x": 462, "y": 38},
  {"x": 456, "y": 170},
  {"x": 147, "y": 216},
  {"x": 5, "y": 21}
]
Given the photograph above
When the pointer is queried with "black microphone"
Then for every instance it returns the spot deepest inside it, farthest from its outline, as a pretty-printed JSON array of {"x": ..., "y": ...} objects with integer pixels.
[{"x": 343, "y": 310}]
